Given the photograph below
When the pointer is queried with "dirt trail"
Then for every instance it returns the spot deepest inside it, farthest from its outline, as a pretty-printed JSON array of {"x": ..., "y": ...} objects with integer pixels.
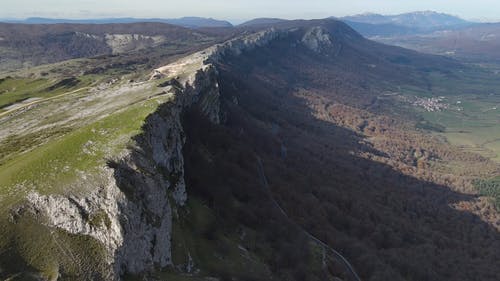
[{"x": 39, "y": 101}]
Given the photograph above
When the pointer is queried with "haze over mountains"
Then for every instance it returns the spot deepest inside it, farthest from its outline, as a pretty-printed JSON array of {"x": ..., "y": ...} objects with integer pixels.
[
  {"x": 426, "y": 20},
  {"x": 479, "y": 42},
  {"x": 191, "y": 22},
  {"x": 371, "y": 25},
  {"x": 432, "y": 32}
]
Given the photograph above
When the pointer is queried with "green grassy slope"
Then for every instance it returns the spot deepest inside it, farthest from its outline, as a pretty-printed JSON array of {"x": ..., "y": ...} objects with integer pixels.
[
  {"x": 58, "y": 162},
  {"x": 61, "y": 140}
]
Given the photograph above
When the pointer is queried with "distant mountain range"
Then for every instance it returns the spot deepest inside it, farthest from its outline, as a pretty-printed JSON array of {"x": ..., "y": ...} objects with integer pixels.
[
  {"x": 377, "y": 25},
  {"x": 372, "y": 25},
  {"x": 368, "y": 24},
  {"x": 476, "y": 43},
  {"x": 190, "y": 22},
  {"x": 424, "y": 31},
  {"x": 382, "y": 30},
  {"x": 424, "y": 20},
  {"x": 432, "y": 32}
]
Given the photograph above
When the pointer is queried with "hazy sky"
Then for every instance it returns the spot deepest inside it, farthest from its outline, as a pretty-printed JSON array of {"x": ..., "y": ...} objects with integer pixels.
[{"x": 239, "y": 9}]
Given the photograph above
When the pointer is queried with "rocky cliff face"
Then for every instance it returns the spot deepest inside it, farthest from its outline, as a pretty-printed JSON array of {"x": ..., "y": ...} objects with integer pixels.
[
  {"x": 317, "y": 39},
  {"x": 130, "y": 204},
  {"x": 121, "y": 43},
  {"x": 129, "y": 210}
]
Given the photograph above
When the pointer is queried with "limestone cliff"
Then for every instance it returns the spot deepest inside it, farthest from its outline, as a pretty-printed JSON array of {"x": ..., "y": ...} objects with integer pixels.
[{"x": 128, "y": 207}]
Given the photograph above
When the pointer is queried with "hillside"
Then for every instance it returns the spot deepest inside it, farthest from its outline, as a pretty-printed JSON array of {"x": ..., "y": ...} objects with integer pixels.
[
  {"x": 298, "y": 152},
  {"x": 25, "y": 45},
  {"x": 321, "y": 140}
]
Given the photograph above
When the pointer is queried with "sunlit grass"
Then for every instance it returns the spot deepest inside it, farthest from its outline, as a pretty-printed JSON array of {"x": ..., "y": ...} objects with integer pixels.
[{"x": 52, "y": 165}]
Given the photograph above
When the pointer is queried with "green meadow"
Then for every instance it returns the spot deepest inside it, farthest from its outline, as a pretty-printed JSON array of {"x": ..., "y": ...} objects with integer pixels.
[{"x": 472, "y": 119}]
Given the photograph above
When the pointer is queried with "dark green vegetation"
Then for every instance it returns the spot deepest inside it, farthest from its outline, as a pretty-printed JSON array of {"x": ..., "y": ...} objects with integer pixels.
[
  {"x": 428, "y": 126},
  {"x": 490, "y": 188},
  {"x": 14, "y": 90},
  {"x": 201, "y": 242}
]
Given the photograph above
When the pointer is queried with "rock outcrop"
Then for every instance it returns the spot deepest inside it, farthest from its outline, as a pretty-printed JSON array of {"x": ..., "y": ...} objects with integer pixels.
[
  {"x": 121, "y": 43},
  {"x": 318, "y": 40}
]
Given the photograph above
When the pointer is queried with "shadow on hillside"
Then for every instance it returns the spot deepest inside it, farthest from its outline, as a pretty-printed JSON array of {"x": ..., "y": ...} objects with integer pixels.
[{"x": 389, "y": 225}]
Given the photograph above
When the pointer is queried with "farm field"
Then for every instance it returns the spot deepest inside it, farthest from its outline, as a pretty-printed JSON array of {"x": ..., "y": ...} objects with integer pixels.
[
  {"x": 473, "y": 124},
  {"x": 471, "y": 119}
]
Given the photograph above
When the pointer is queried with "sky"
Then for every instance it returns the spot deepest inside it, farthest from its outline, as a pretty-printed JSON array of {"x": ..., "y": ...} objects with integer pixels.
[{"x": 239, "y": 10}]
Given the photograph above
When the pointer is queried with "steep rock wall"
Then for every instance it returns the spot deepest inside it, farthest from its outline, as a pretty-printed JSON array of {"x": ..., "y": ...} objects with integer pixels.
[{"x": 129, "y": 206}]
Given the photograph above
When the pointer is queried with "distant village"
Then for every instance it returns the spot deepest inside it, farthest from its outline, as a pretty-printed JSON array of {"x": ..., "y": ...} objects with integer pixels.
[{"x": 431, "y": 104}]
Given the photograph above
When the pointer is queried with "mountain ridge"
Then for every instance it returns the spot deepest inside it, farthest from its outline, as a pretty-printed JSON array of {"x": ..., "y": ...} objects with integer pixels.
[{"x": 189, "y": 22}]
